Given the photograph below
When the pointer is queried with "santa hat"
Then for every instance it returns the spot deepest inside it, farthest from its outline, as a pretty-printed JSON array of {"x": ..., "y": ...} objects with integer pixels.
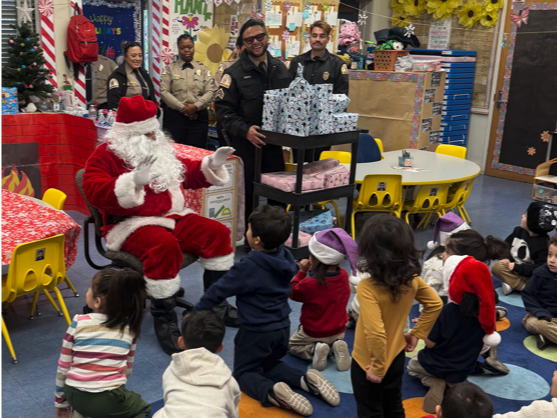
[
  {"x": 136, "y": 116},
  {"x": 444, "y": 227},
  {"x": 468, "y": 275},
  {"x": 332, "y": 246},
  {"x": 541, "y": 218}
]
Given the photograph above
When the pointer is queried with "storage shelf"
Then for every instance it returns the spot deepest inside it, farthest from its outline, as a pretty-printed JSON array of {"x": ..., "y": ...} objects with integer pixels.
[
  {"x": 303, "y": 199},
  {"x": 313, "y": 141}
]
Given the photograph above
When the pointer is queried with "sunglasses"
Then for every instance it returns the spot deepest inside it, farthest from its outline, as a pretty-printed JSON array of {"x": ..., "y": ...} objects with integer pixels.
[{"x": 259, "y": 38}]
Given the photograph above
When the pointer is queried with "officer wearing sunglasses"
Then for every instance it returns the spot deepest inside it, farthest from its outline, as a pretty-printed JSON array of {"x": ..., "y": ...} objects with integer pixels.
[{"x": 239, "y": 102}]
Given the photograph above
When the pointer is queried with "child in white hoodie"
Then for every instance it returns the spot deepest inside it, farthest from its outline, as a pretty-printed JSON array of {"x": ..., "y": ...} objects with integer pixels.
[{"x": 197, "y": 380}]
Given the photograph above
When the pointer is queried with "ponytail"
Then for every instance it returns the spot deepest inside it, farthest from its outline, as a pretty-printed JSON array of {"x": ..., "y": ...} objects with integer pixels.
[
  {"x": 123, "y": 293},
  {"x": 470, "y": 242}
]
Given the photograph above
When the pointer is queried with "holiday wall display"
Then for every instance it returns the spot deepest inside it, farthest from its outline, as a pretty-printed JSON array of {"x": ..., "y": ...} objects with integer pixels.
[{"x": 189, "y": 16}]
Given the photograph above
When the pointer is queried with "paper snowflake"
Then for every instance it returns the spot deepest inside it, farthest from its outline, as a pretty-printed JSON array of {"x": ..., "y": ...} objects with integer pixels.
[
  {"x": 308, "y": 5},
  {"x": 531, "y": 151},
  {"x": 269, "y": 5},
  {"x": 287, "y": 6},
  {"x": 545, "y": 136},
  {"x": 285, "y": 36},
  {"x": 409, "y": 30},
  {"x": 362, "y": 18}
]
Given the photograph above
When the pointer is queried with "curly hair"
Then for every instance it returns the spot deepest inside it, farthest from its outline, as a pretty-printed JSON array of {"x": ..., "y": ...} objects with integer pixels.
[{"x": 388, "y": 253}]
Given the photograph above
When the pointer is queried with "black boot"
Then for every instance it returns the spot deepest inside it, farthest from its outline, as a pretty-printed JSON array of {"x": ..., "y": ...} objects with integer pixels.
[
  {"x": 224, "y": 310},
  {"x": 166, "y": 324}
]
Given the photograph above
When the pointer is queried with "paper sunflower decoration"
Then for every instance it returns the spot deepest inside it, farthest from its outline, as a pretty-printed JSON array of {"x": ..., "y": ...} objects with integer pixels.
[
  {"x": 489, "y": 19},
  {"x": 400, "y": 18},
  {"x": 494, "y": 5},
  {"x": 398, "y": 4},
  {"x": 469, "y": 15},
  {"x": 414, "y": 8},
  {"x": 442, "y": 9},
  {"x": 211, "y": 49}
]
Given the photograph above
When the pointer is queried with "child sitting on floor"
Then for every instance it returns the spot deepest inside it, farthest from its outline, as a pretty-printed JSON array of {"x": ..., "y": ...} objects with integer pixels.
[
  {"x": 198, "y": 380},
  {"x": 460, "y": 332},
  {"x": 324, "y": 295},
  {"x": 261, "y": 284},
  {"x": 390, "y": 258},
  {"x": 466, "y": 400},
  {"x": 540, "y": 299},
  {"x": 528, "y": 243},
  {"x": 99, "y": 348}
]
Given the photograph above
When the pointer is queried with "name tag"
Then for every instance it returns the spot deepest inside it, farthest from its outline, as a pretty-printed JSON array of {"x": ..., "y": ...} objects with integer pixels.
[{"x": 248, "y": 76}]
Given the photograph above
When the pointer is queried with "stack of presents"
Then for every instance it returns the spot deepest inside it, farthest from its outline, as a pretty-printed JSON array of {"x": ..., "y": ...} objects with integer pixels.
[
  {"x": 305, "y": 110},
  {"x": 9, "y": 101}
]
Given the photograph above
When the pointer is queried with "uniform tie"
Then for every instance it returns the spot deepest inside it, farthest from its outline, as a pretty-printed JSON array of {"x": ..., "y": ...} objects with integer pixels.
[
  {"x": 142, "y": 83},
  {"x": 88, "y": 83},
  {"x": 263, "y": 67},
  {"x": 187, "y": 65}
]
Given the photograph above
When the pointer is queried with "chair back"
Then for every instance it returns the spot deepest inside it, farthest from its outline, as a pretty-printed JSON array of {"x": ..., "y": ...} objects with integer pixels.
[
  {"x": 55, "y": 198},
  {"x": 97, "y": 217},
  {"x": 430, "y": 198},
  {"x": 290, "y": 166},
  {"x": 380, "y": 193},
  {"x": 454, "y": 150},
  {"x": 456, "y": 194},
  {"x": 35, "y": 266},
  {"x": 368, "y": 149},
  {"x": 380, "y": 145},
  {"x": 343, "y": 157}
]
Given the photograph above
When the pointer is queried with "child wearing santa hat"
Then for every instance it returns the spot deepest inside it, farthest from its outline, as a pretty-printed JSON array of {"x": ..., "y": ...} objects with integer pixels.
[
  {"x": 528, "y": 244},
  {"x": 324, "y": 294},
  {"x": 465, "y": 325}
]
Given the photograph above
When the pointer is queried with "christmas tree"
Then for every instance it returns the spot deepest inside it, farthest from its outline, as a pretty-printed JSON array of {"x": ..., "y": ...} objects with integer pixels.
[{"x": 25, "y": 69}]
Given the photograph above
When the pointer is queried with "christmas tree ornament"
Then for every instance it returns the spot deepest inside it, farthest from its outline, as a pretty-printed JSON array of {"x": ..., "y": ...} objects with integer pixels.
[
  {"x": 32, "y": 50},
  {"x": 22, "y": 44},
  {"x": 35, "y": 64},
  {"x": 8, "y": 68},
  {"x": 11, "y": 41},
  {"x": 26, "y": 86},
  {"x": 27, "y": 39},
  {"x": 31, "y": 86},
  {"x": 21, "y": 53},
  {"x": 19, "y": 69},
  {"x": 23, "y": 66}
]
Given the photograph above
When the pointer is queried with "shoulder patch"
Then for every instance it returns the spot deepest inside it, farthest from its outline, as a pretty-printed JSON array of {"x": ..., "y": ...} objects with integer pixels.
[
  {"x": 226, "y": 81},
  {"x": 163, "y": 72},
  {"x": 344, "y": 69},
  {"x": 221, "y": 69},
  {"x": 113, "y": 84},
  {"x": 220, "y": 93}
]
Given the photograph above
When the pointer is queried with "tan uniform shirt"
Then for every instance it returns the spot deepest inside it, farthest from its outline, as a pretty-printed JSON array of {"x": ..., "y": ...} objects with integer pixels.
[
  {"x": 100, "y": 71},
  {"x": 134, "y": 86},
  {"x": 194, "y": 86},
  {"x": 223, "y": 66}
]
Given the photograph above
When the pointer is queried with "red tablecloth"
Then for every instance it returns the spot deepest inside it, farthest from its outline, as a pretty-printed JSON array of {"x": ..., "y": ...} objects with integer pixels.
[{"x": 25, "y": 221}]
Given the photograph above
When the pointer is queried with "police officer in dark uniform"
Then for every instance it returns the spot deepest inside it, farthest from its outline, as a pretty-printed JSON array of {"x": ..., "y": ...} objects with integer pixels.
[
  {"x": 130, "y": 79},
  {"x": 239, "y": 102},
  {"x": 320, "y": 66}
]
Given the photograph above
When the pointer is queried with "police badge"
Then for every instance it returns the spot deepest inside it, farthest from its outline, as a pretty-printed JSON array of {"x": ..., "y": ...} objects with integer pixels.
[{"x": 326, "y": 76}]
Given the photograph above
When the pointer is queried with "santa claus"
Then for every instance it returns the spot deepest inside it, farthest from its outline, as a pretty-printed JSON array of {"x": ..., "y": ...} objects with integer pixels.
[{"x": 137, "y": 182}]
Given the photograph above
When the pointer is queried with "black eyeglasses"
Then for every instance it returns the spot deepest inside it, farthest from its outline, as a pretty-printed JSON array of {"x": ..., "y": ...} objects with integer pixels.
[{"x": 259, "y": 38}]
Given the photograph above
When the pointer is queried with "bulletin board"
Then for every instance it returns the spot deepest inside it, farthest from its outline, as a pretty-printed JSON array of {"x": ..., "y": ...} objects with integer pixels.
[
  {"x": 482, "y": 40},
  {"x": 287, "y": 38}
]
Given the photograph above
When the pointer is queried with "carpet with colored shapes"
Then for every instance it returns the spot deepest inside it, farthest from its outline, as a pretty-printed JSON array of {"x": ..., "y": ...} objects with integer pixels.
[{"x": 529, "y": 379}]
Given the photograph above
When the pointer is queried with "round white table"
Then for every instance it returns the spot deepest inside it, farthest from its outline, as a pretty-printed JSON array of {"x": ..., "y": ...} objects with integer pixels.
[{"x": 439, "y": 168}]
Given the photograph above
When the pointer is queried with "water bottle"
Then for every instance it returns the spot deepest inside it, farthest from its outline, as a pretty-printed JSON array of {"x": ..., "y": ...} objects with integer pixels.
[
  {"x": 111, "y": 117},
  {"x": 102, "y": 119},
  {"x": 61, "y": 95},
  {"x": 92, "y": 113}
]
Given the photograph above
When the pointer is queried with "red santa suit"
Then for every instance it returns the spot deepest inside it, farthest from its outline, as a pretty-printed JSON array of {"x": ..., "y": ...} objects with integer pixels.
[{"x": 155, "y": 226}]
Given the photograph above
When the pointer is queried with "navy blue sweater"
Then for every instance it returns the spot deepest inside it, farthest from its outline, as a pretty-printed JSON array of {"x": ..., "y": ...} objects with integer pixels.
[
  {"x": 540, "y": 293},
  {"x": 261, "y": 284}
]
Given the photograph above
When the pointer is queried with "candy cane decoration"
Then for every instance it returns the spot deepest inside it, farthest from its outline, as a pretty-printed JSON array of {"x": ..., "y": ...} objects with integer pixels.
[
  {"x": 46, "y": 9},
  {"x": 156, "y": 46},
  {"x": 165, "y": 23},
  {"x": 79, "y": 87}
]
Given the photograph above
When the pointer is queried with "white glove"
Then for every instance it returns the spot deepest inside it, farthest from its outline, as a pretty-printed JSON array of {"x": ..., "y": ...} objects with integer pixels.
[
  {"x": 142, "y": 174},
  {"x": 219, "y": 157}
]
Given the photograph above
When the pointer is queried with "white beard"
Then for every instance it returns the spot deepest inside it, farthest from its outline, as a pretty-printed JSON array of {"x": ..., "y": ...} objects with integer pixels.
[{"x": 133, "y": 149}]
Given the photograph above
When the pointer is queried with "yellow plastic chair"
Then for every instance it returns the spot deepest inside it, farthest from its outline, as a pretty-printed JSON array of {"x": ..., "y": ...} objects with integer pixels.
[
  {"x": 56, "y": 199},
  {"x": 460, "y": 204},
  {"x": 379, "y": 193},
  {"x": 458, "y": 193},
  {"x": 380, "y": 146},
  {"x": 35, "y": 266},
  {"x": 343, "y": 157},
  {"x": 430, "y": 199},
  {"x": 454, "y": 150}
]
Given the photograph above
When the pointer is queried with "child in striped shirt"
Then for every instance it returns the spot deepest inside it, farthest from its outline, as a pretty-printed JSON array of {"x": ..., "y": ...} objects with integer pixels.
[{"x": 98, "y": 350}]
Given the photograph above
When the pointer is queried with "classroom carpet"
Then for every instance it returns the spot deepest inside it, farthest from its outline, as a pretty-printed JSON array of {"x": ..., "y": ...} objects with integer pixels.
[{"x": 495, "y": 206}]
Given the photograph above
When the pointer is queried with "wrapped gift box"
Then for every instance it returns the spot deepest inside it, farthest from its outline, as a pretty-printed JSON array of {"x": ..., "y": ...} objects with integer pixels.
[
  {"x": 322, "y": 109},
  {"x": 272, "y": 101},
  {"x": 315, "y": 220},
  {"x": 344, "y": 122},
  {"x": 286, "y": 181},
  {"x": 339, "y": 103},
  {"x": 320, "y": 166},
  {"x": 335, "y": 177},
  {"x": 9, "y": 101},
  {"x": 303, "y": 240}
]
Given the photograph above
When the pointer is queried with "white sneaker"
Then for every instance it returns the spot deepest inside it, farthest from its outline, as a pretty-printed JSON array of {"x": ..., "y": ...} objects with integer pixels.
[
  {"x": 319, "y": 386},
  {"x": 506, "y": 288},
  {"x": 320, "y": 354},
  {"x": 341, "y": 354},
  {"x": 285, "y": 398}
]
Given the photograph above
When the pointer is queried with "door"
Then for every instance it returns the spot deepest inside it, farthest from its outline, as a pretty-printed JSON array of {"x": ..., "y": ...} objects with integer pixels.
[{"x": 526, "y": 102}]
